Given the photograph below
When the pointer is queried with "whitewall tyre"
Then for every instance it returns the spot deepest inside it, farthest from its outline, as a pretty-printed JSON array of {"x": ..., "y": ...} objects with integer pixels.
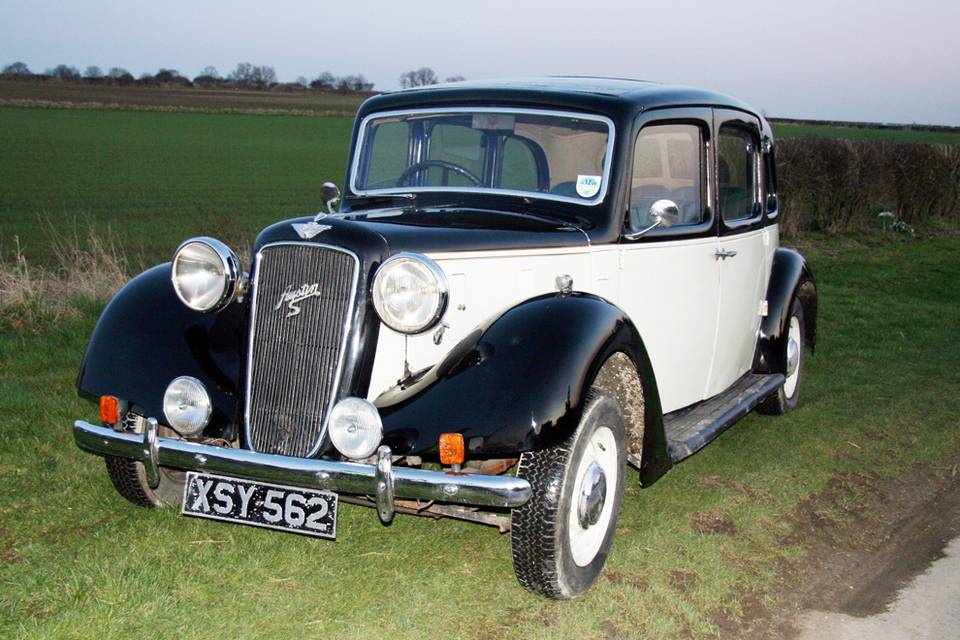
[
  {"x": 561, "y": 537},
  {"x": 786, "y": 397}
]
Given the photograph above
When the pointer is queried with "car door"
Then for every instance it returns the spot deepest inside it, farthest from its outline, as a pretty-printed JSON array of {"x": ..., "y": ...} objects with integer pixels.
[
  {"x": 669, "y": 280},
  {"x": 742, "y": 245}
]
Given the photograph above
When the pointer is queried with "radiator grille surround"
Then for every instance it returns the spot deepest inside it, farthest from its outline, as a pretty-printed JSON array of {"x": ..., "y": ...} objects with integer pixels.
[{"x": 302, "y": 304}]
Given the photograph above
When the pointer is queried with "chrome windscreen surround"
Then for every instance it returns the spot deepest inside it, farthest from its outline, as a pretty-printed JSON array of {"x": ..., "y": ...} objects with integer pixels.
[
  {"x": 294, "y": 371},
  {"x": 607, "y": 163}
]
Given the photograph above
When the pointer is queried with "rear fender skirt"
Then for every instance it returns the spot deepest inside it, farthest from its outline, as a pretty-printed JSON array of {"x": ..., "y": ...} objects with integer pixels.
[
  {"x": 519, "y": 383},
  {"x": 146, "y": 337},
  {"x": 790, "y": 278}
]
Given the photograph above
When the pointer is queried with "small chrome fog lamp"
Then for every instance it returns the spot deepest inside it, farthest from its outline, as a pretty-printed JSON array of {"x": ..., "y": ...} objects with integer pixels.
[
  {"x": 355, "y": 428},
  {"x": 186, "y": 404}
]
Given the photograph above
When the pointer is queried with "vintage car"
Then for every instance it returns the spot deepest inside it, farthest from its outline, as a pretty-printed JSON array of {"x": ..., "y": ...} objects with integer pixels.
[{"x": 527, "y": 292}]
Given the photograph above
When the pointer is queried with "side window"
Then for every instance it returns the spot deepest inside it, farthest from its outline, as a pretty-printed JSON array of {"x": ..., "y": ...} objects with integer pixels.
[
  {"x": 668, "y": 162},
  {"x": 737, "y": 173},
  {"x": 518, "y": 166}
]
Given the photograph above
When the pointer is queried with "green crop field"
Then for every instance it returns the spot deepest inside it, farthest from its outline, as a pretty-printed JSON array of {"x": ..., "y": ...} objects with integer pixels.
[
  {"x": 158, "y": 178},
  {"x": 76, "y": 561}
]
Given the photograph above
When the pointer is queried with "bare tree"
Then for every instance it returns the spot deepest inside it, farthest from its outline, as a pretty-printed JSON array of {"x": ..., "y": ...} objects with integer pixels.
[
  {"x": 302, "y": 81},
  {"x": 167, "y": 75},
  {"x": 248, "y": 75},
  {"x": 421, "y": 77},
  {"x": 325, "y": 80},
  {"x": 264, "y": 76},
  {"x": 208, "y": 77},
  {"x": 64, "y": 73},
  {"x": 242, "y": 74},
  {"x": 120, "y": 76},
  {"x": 16, "y": 69},
  {"x": 93, "y": 72}
]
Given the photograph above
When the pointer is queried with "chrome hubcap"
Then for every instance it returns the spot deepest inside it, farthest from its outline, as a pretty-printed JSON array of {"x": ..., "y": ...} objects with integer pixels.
[
  {"x": 593, "y": 492},
  {"x": 793, "y": 356}
]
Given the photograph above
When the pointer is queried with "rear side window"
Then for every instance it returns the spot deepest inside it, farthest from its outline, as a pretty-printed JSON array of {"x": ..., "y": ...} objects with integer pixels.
[
  {"x": 737, "y": 173},
  {"x": 668, "y": 164}
]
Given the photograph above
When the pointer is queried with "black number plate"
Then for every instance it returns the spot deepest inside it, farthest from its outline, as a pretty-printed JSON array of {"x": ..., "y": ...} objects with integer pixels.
[{"x": 260, "y": 504}]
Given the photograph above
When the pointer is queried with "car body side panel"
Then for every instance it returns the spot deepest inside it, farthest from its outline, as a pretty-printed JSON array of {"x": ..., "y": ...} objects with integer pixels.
[
  {"x": 146, "y": 337},
  {"x": 519, "y": 383},
  {"x": 790, "y": 277},
  {"x": 670, "y": 289}
]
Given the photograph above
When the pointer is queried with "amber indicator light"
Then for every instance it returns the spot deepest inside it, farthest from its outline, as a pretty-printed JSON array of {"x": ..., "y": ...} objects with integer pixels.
[
  {"x": 109, "y": 410},
  {"x": 451, "y": 448}
]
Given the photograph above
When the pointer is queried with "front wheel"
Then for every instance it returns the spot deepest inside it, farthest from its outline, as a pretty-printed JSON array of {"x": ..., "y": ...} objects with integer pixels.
[
  {"x": 129, "y": 477},
  {"x": 561, "y": 537}
]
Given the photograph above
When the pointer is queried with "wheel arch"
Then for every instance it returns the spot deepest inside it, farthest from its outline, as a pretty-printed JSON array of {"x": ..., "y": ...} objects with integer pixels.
[
  {"x": 146, "y": 337},
  {"x": 520, "y": 382},
  {"x": 790, "y": 278}
]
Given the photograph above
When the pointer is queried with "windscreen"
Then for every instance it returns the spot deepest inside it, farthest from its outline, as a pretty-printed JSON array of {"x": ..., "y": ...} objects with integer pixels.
[{"x": 547, "y": 155}]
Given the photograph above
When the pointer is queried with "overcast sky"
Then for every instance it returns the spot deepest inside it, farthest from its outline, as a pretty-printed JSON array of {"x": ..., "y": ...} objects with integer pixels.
[{"x": 880, "y": 60}]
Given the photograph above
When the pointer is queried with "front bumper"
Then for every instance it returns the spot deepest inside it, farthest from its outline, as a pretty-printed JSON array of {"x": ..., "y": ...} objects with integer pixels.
[{"x": 380, "y": 480}]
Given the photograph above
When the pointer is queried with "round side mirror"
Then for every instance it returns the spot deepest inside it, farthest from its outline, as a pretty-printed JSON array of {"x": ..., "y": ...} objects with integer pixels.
[
  {"x": 664, "y": 213},
  {"x": 330, "y": 194}
]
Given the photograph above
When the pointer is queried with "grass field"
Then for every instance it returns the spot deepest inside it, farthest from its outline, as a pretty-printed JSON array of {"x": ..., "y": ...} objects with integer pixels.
[
  {"x": 171, "y": 98},
  {"x": 77, "y": 561},
  {"x": 158, "y": 178}
]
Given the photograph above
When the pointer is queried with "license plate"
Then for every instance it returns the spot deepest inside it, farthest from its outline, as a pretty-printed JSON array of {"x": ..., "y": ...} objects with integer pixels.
[{"x": 260, "y": 504}]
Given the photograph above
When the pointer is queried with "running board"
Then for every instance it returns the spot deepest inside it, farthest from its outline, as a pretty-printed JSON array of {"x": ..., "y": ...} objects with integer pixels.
[{"x": 691, "y": 429}]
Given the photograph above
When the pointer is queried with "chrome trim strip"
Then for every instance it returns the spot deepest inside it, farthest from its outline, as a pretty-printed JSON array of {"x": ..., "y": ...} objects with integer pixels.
[
  {"x": 326, "y": 475},
  {"x": 607, "y": 163},
  {"x": 343, "y": 346}
]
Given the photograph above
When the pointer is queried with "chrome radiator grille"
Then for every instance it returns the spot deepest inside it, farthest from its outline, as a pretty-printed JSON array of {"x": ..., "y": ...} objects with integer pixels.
[{"x": 303, "y": 298}]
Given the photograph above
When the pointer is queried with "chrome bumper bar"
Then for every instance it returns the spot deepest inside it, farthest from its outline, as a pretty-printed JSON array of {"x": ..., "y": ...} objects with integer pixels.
[{"x": 381, "y": 480}]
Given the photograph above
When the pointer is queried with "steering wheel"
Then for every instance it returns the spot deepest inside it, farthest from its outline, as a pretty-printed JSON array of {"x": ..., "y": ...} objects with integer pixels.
[{"x": 448, "y": 168}]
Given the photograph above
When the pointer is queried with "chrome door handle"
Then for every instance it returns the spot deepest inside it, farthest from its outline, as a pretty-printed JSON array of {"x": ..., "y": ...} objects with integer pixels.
[{"x": 723, "y": 254}]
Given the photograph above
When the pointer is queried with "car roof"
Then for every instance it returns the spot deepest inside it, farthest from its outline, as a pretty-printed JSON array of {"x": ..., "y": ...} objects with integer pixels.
[{"x": 603, "y": 95}]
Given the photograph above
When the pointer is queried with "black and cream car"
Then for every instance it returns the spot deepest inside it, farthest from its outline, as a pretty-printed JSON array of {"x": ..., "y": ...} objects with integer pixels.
[{"x": 527, "y": 294}]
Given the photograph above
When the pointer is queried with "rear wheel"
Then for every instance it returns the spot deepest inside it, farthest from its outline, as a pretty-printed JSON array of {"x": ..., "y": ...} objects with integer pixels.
[
  {"x": 786, "y": 397},
  {"x": 561, "y": 537},
  {"x": 129, "y": 477}
]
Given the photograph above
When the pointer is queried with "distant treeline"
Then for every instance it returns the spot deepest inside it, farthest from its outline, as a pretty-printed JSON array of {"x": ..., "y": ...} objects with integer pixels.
[{"x": 244, "y": 76}]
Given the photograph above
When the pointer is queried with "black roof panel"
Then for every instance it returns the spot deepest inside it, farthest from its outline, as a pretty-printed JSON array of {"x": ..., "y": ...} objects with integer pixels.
[{"x": 604, "y": 95}]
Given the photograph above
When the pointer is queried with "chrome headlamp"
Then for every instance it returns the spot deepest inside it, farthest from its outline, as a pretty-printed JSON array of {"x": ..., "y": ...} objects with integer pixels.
[
  {"x": 410, "y": 293},
  {"x": 205, "y": 274}
]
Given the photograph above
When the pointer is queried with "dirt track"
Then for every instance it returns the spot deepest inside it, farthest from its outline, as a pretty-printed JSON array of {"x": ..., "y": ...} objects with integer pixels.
[{"x": 851, "y": 584}]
